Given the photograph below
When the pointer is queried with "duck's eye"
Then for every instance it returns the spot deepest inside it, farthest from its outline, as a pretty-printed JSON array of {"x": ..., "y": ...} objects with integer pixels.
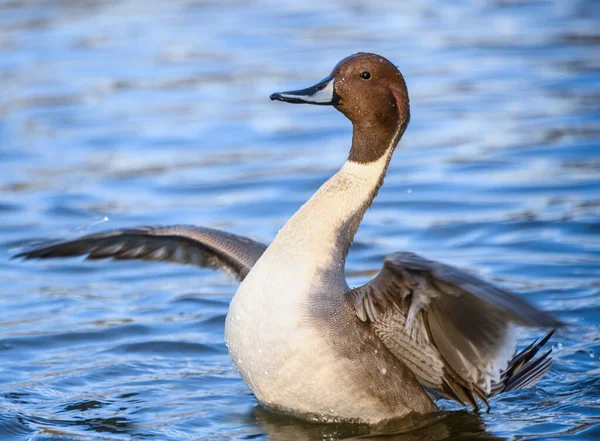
[{"x": 365, "y": 75}]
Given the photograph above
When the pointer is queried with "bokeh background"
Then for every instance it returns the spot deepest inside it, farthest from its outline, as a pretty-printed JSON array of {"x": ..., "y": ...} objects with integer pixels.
[{"x": 125, "y": 112}]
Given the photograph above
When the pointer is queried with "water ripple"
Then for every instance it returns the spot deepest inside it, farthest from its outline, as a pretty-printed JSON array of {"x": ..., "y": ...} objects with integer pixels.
[{"x": 128, "y": 112}]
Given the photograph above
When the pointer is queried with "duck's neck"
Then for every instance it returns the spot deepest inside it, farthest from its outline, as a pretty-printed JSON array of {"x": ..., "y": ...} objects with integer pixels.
[{"x": 320, "y": 234}]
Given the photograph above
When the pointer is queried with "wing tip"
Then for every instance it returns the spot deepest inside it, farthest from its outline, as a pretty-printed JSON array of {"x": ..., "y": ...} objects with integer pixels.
[
  {"x": 49, "y": 250},
  {"x": 35, "y": 253},
  {"x": 524, "y": 370}
]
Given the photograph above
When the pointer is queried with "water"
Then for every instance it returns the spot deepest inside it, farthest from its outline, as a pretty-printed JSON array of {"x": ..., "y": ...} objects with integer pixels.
[{"x": 129, "y": 112}]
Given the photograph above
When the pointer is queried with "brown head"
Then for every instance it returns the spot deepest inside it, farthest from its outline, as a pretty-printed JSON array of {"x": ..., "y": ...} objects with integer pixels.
[{"x": 370, "y": 91}]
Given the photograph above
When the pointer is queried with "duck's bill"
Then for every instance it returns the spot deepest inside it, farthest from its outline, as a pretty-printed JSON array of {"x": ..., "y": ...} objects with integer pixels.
[{"x": 321, "y": 93}]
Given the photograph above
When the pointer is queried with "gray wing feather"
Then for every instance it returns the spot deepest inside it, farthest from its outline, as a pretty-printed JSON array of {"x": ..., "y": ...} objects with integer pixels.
[
  {"x": 459, "y": 282},
  {"x": 203, "y": 247},
  {"x": 452, "y": 329}
]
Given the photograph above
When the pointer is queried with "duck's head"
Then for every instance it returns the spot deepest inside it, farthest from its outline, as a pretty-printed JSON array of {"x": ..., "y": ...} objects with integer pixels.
[{"x": 370, "y": 91}]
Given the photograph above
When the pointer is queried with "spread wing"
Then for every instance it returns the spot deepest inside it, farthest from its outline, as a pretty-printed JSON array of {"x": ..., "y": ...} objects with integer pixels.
[
  {"x": 453, "y": 330},
  {"x": 186, "y": 244}
]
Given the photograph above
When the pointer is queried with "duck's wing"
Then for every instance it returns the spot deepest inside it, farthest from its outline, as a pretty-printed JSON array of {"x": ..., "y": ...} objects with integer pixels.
[
  {"x": 453, "y": 330},
  {"x": 186, "y": 244}
]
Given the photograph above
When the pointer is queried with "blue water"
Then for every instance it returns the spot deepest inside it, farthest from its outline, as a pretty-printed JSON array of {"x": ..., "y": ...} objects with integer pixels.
[{"x": 128, "y": 112}]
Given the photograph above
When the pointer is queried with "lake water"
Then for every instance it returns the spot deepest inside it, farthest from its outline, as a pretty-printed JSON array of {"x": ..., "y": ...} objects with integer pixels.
[{"x": 135, "y": 112}]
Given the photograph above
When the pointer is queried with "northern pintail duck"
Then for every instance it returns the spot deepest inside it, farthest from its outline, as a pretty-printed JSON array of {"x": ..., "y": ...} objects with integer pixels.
[{"x": 305, "y": 342}]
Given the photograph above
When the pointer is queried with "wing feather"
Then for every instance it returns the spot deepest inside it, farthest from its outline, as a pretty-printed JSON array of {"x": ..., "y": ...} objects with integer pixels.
[
  {"x": 203, "y": 247},
  {"x": 455, "y": 331}
]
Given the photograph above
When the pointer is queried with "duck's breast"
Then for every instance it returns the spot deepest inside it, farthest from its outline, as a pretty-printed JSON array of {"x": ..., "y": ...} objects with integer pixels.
[{"x": 300, "y": 348}]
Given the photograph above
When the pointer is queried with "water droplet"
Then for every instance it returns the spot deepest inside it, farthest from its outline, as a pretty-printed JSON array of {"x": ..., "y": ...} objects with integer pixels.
[{"x": 383, "y": 371}]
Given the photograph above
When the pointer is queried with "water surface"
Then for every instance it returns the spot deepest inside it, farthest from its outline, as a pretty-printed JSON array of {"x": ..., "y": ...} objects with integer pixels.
[{"x": 129, "y": 112}]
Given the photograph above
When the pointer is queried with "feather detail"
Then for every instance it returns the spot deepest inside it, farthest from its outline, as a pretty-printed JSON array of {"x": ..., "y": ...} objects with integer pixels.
[{"x": 454, "y": 331}]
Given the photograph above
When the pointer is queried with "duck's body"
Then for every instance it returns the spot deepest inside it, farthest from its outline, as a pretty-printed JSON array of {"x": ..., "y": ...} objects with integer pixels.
[
  {"x": 290, "y": 324},
  {"x": 301, "y": 338}
]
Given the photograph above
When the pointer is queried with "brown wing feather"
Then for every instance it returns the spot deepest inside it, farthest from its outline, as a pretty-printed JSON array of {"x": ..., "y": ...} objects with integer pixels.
[
  {"x": 204, "y": 247},
  {"x": 450, "y": 328}
]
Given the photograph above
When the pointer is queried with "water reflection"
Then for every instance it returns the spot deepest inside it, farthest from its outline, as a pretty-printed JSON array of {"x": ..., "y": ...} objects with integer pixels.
[{"x": 449, "y": 426}]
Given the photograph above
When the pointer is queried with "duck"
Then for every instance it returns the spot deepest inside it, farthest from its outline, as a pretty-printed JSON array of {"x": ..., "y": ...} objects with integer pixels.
[{"x": 304, "y": 341}]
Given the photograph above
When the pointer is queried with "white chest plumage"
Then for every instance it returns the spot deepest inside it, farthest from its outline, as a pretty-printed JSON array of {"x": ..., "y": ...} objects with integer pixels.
[{"x": 269, "y": 332}]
